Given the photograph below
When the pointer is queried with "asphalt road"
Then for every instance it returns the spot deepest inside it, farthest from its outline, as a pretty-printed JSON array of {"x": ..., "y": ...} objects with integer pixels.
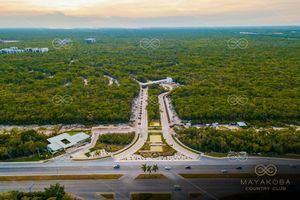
[
  {"x": 167, "y": 131},
  {"x": 88, "y": 189}
]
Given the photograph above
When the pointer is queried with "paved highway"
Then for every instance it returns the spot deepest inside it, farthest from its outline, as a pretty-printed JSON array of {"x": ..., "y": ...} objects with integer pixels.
[
  {"x": 141, "y": 126},
  {"x": 168, "y": 132}
]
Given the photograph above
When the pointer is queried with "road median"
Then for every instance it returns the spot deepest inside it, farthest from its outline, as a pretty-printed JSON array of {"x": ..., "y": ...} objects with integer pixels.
[{"x": 61, "y": 177}]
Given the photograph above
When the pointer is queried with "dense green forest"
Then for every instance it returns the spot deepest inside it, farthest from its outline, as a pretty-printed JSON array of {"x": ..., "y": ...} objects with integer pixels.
[
  {"x": 266, "y": 141},
  {"x": 153, "y": 104},
  {"x": 113, "y": 142},
  {"x": 16, "y": 144},
  {"x": 116, "y": 138},
  {"x": 266, "y": 72}
]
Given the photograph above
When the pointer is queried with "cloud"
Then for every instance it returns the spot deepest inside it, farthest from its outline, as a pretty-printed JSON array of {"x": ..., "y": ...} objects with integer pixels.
[{"x": 99, "y": 13}]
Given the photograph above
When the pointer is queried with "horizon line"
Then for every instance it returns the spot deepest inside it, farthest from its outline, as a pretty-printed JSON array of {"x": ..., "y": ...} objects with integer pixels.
[{"x": 153, "y": 27}]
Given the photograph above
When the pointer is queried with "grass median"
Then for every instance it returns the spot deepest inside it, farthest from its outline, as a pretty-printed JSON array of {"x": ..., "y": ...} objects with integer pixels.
[
  {"x": 151, "y": 176},
  {"x": 241, "y": 175},
  {"x": 61, "y": 177}
]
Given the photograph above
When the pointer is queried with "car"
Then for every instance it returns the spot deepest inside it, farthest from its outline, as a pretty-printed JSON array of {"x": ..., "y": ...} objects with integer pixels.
[
  {"x": 239, "y": 167},
  {"x": 177, "y": 187},
  {"x": 188, "y": 167},
  {"x": 224, "y": 171},
  {"x": 168, "y": 168},
  {"x": 292, "y": 166},
  {"x": 117, "y": 166}
]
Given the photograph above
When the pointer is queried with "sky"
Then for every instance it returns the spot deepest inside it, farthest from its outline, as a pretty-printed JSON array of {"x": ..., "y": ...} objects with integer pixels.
[{"x": 147, "y": 13}]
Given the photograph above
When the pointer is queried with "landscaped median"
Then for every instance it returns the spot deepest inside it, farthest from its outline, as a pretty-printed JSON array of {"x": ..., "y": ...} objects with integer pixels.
[
  {"x": 236, "y": 175},
  {"x": 61, "y": 177},
  {"x": 152, "y": 196},
  {"x": 151, "y": 176}
]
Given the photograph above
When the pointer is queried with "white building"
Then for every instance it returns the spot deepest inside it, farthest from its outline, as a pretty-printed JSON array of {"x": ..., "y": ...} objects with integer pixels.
[
  {"x": 90, "y": 40},
  {"x": 14, "y": 50},
  {"x": 37, "y": 50},
  {"x": 169, "y": 80},
  {"x": 11, "y": 50},
  {"x": 64, "y": 141}
]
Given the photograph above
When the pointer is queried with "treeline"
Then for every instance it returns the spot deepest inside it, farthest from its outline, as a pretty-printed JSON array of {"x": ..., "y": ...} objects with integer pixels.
[
  {"x": 56, "y": 192},
  {"x": 17, "y": 144},
  {"x": 153, "y": 104},
  {"x": 266, "y": 141}
]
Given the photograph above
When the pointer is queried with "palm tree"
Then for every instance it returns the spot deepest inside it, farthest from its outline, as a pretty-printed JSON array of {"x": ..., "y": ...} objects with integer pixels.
[
  {"x": 155, "y": 168},
  {"x": 144, "y": 167},
  {"x": 149, "y": 169}
]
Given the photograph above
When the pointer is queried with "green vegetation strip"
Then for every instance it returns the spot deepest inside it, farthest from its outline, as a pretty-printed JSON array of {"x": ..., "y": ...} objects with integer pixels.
[
  {"x": 129, "y": 146},
  {"x": 61, "y": 177},
  {"x": 264, "y": 141},
  {"x": 151, "y": 176},
  {"x": 241, "y": 175},
  {"x": 108, "y": 196},
  {"x": 182, "y": 145},
  {"x": 150, "y": 196}
]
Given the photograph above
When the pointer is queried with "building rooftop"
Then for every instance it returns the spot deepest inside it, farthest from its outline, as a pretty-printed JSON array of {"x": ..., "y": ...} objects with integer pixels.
[
  {"x": 65, "y": 140},
  {"x": 241, "y": 124}
]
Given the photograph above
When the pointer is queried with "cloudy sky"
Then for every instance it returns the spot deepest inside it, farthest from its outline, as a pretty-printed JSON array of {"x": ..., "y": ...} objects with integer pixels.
[{"x": 147, "y": 13}]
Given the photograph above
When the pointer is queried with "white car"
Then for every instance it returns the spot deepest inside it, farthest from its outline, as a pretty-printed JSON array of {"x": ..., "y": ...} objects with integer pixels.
[
  {"x": 168, "y": 168},
  {"x": 224, "y": 171}
]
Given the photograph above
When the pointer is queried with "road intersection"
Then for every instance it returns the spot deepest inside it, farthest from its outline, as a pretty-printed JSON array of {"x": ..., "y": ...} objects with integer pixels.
[{"x": 199, "y": 163}]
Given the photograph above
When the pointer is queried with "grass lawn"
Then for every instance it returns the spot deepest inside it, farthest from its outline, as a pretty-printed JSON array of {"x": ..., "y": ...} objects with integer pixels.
[
  {"x": 155, "y": 123},
  {"x": 151, "y": 176},
  {"x": 195, "y": 195},
  {"x": 154, "y": 128},
  {"x": 155, "y": 138},
  {"x": 75, "y": 132},
  {"x": 108, "y": 196},
  {"x": 25, "y": 159},
  {"x": 113, "y": 142},
  {"x": 216, "y": 154},
  {"x": 61, "y": 177},
  {"x": 145, "y": 151},
  {"x": 150, "y": 196}
]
